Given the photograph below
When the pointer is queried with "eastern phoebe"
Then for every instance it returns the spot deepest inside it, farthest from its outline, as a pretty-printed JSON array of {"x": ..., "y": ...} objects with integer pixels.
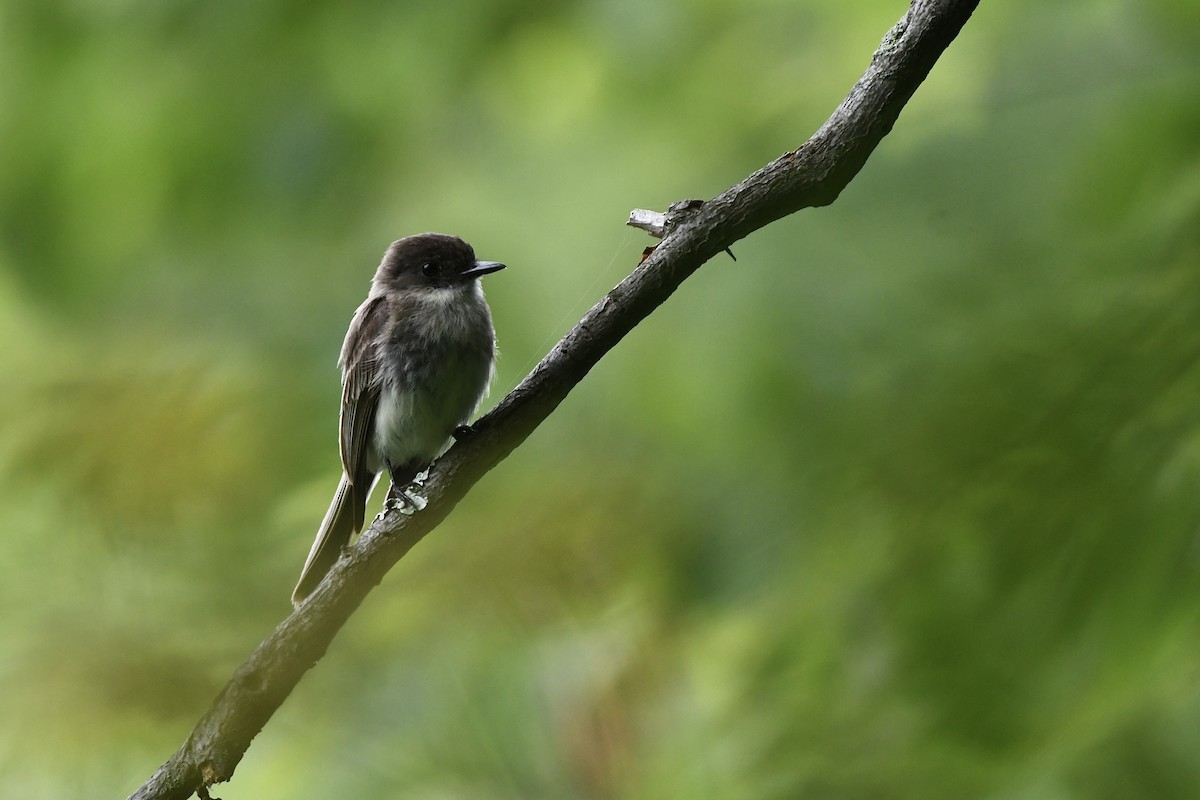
[{"x": 417, "y": 360}]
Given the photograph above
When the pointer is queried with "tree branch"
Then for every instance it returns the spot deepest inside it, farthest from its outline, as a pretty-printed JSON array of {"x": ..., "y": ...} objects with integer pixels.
[{"x": 814, "y": 174}]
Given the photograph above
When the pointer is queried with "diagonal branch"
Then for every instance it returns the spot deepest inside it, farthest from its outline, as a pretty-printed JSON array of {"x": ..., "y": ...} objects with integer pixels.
[{"x": 814, "y": 174}]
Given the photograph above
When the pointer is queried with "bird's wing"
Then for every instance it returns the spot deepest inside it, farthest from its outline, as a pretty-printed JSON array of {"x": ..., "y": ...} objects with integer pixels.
[{"x": 361, "y": 383}]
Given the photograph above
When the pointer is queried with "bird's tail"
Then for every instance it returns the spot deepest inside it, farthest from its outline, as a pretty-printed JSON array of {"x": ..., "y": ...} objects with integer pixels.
[{"x": 343, "y": 519}]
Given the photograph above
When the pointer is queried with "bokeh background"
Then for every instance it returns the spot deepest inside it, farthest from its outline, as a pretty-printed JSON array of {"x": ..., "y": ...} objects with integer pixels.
[{"x": 902, "y": 504}]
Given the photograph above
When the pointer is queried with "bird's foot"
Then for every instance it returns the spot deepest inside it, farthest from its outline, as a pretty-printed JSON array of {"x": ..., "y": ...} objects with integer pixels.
[{"x": 404, "y": 500}]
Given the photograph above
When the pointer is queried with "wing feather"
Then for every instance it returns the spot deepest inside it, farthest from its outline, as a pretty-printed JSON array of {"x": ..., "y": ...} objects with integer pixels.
[{"x": 361, "y": 384}]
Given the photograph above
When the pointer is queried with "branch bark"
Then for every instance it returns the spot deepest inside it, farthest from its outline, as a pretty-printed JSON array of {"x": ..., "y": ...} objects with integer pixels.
[{"x": 813, "y": 174}]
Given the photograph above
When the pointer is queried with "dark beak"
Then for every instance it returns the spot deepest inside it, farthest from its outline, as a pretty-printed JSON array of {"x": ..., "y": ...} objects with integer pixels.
[{"x": 482, "y": 268}]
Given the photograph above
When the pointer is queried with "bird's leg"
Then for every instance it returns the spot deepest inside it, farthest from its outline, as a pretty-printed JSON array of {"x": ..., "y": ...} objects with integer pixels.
[
  {"x": 392, "y": 475},
  {"x": 462, "y": 432},
  {"x": 397, "y": 496},
  {"x": 400, "y": 495}
]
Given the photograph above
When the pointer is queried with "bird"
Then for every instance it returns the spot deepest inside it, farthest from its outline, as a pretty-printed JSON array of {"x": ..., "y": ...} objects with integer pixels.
[{"x": 417, "y": 360}]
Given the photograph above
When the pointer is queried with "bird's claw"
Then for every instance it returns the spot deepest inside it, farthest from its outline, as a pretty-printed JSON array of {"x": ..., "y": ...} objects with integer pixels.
[{"x": 404, "y": 501}]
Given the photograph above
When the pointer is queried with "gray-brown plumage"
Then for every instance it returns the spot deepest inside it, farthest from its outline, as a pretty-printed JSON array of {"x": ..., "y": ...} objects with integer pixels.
[{"x": 416, "y": 361}]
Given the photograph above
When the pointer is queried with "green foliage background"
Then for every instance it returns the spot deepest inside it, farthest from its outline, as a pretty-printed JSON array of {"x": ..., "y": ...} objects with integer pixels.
[{"x": 902, "y": 504}]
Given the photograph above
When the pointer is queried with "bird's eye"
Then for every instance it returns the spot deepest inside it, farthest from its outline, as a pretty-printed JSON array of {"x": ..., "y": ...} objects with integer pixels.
[{"x": 429, "y": 270}]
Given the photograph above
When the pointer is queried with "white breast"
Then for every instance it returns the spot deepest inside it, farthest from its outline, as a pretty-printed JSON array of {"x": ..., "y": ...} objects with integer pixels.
[{"x": 415, "y": 422}]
